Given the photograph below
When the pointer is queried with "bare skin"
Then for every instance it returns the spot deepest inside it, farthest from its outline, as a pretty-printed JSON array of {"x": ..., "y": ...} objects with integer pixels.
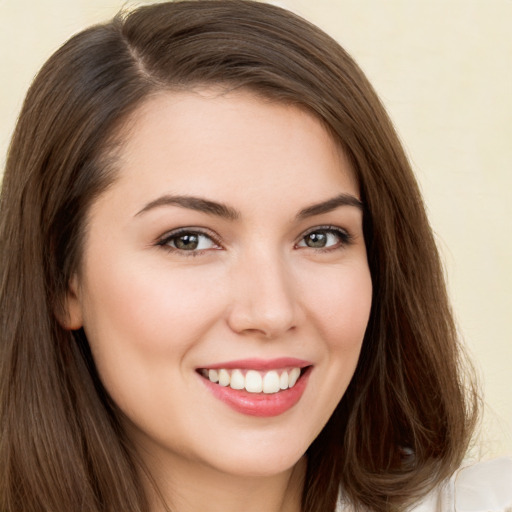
[
  {"x": 233, "y": 232},
  {"x": 223, "y": 493}
]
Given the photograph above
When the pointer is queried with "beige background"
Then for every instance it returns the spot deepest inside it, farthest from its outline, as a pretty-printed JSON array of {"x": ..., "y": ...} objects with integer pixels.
[{"x": 444, "y": 70}]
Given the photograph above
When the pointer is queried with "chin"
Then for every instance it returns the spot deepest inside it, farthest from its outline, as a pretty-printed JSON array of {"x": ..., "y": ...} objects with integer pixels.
[
  {"x": 260, "y": 459},
  {"x": 259, "y": 467}
]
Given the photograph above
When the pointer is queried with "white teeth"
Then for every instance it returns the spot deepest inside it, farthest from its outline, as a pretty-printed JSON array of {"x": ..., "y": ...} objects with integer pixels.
[
  {"x": 283, "y": 381},
  {"x": 224, "y": 378},
  {"x": 294, "y": 375},
  {"x": 237, "y": 380},
  {"x": 254, "y": 381},
  {"x": 271, "y": 382}
]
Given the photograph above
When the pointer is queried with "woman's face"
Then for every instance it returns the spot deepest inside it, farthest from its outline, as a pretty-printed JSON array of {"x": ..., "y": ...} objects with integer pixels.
[{"x": 227, "y": 260}]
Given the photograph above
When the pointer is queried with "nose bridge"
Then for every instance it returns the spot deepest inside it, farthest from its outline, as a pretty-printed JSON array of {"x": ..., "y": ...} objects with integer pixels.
[{"x": 264, "y": 298}]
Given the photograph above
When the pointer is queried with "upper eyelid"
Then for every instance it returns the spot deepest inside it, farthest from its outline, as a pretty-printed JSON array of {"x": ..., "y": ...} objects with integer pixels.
[
  {"x": 184, "y": 230},
  {"x": 161, "y": 240},
  {"x": 346, "y": 237},
  {"x": 328, "y": 227}
]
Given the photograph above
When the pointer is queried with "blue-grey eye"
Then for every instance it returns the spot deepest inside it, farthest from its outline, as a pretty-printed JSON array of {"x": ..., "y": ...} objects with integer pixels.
[
  {"x": 190, "y": 241},
  {"x": 322, "y": 239}
]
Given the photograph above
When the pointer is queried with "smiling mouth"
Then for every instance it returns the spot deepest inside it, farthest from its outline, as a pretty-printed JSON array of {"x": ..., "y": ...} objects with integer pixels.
[{"x": 254, "y": 381}]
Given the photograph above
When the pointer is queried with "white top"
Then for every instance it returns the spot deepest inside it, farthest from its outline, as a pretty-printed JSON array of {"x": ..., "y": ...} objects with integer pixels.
[{"x": 480, "y": 487}]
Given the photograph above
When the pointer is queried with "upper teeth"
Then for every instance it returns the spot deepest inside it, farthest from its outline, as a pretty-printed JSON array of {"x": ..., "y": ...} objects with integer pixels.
[{"x": 254, "y": 381}]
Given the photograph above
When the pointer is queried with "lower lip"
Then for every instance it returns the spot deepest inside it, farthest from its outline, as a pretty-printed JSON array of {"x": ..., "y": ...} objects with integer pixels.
[{"x": 260, "y": 404}]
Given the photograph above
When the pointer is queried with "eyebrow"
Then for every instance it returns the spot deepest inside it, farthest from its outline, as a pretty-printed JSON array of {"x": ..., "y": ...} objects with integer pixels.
[
  {"x": 194, "y": 203},
  {"x": 227, "y": 212},
  {"x": 330, "y": 205}
]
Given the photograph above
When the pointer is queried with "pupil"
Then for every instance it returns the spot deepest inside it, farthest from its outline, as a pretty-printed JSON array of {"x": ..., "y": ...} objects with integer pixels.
[
  {"x": 316, "y": 240},
  {"x": 187, "y": 242}
]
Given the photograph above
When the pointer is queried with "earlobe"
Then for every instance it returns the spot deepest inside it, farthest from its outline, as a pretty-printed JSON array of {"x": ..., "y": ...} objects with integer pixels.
[{"x": 70, "y": 317}]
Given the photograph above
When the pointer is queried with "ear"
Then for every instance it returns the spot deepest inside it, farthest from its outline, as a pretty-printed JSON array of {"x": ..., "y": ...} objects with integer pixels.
[{"x": 70, "y": 317}]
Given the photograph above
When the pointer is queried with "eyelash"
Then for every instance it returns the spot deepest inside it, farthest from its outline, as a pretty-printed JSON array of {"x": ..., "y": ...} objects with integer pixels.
[
  {"x": 345, "y": 239},
  {"x": 174, "y": 235}
]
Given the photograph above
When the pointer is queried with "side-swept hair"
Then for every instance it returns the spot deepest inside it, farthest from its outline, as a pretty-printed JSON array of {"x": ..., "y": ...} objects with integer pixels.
[{"x": 405, "y": 421}]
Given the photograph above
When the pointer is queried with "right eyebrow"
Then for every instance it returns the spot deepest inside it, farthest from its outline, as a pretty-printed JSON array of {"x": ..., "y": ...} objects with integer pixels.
[
  {"x": 193, "y": 203},
  {"x": 330, "y": 205}
]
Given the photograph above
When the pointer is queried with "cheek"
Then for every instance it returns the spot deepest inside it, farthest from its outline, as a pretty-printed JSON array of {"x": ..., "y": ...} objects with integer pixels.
[
  {"x": 142, "y": 325},
  {"x": 340, "y": 303},
  {"x": 150, "y": 306},
  {"x": 338, "y": 309},
  {"x": 143, "y": 321}
]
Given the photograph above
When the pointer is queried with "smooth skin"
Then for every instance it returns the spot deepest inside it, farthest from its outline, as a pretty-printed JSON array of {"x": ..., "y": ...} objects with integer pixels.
[{"x": 223, "y": 238}]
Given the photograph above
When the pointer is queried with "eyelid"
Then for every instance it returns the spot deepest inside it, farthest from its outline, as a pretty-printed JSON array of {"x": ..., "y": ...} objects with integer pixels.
[
  {"x": 163, "y": 240},
  {"x": 345, "y": 238},
  {"x": 343, "y": 233}
]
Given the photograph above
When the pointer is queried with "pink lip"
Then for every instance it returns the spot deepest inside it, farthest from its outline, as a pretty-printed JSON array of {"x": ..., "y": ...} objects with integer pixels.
[
  {"x": 261, "y": 364},
  {"x": 260, "y": 404}
]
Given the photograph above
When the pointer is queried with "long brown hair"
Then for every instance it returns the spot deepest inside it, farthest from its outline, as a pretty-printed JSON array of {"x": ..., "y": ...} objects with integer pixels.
[{"x": 405, "y": 421}]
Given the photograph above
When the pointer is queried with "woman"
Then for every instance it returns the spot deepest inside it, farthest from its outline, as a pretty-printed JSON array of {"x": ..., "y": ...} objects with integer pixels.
[{"x": 219, "y": 286}]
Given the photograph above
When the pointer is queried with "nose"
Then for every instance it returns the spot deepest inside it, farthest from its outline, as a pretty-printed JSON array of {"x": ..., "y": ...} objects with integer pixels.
[{"x": 263, "y": 299}]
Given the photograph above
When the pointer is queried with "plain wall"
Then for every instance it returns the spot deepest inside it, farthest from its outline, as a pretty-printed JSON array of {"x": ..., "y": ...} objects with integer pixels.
[{"x": 444, "y": 71}]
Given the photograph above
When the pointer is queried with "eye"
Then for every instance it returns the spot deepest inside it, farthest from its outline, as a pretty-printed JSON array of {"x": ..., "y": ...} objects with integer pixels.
[
  {"x": 325, "y": 238},
  {"x": 188, "y": 241}
]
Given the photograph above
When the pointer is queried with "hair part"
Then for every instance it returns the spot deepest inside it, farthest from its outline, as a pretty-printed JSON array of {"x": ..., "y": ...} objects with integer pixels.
[{"x": 406, "y": 419}]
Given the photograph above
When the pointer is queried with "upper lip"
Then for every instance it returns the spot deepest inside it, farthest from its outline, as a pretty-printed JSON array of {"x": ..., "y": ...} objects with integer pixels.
[{"x": 260, "y": 364}]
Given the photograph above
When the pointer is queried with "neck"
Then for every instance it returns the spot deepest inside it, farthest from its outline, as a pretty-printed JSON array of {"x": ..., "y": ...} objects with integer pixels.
[{"x": 193, "y": 488}]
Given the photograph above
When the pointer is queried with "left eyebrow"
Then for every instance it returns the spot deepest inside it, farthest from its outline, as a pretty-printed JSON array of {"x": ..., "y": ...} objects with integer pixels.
[
  {"x": 330, "y": 205},
  {"x": 193, "y": 203}
]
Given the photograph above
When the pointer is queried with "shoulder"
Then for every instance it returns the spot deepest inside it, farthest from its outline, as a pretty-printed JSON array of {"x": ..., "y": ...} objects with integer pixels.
[
  {"x": 480, "y": 487},
  {"x": 486, "y": 486}
]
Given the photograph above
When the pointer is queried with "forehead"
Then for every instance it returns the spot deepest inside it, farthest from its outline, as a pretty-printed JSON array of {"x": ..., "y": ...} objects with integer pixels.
[{"x": 214, "y": 143}]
